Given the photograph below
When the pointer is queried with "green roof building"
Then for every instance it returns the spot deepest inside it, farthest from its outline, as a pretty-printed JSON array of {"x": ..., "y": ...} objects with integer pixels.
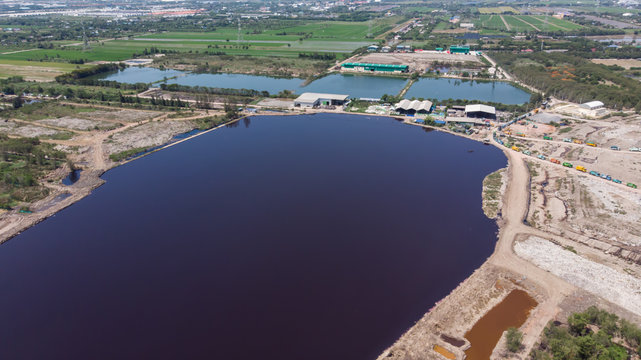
[
  {"x": 459, "y": 49},
  {"x": 375, "y": 67}
]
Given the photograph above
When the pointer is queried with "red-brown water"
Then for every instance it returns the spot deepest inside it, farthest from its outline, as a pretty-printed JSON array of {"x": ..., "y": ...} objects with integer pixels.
[{"x": 485, "y": 334}]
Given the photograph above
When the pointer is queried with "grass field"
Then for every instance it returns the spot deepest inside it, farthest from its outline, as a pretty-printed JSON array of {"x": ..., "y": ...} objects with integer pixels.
[
  {"x": 319, "y": 30},
  {"x": 522, "y": 23},
  {"x": 118, "y": 50},
  {"x": 34, "y": 70},
  {"x": 498, "y": 10}
]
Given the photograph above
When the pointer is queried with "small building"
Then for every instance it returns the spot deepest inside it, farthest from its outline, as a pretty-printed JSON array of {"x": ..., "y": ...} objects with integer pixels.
[
  {"x": 310, "y": 100},
  {"x": 480, "y": 111},
  {"x": 372, "y": 48},
  {"x": 413, "y": 107},
  {"x": 466, "y": 25},
  {"x": 592, "y": 105},
  {"x": 362, "y": 67},
  {"x": 459, "y": 49},
  {"x": 403, "y": 48}
]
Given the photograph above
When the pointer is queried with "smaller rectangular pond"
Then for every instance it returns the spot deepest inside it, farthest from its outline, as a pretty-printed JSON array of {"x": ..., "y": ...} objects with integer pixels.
[{"x": 489, "y": 91}]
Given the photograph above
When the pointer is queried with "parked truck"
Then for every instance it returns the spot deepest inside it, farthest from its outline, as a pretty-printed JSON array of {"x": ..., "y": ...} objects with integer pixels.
[
  {"x": 632, "y": 185},
  {"x": 567, "y": 164},
  {"x": 555, "y": 161},
  {"x": 581, "y": 168},
  {"x": 515, "y": 148},
  {"x": 547, "y": 137},
  {"x": 590, "y": 143},
  {"x": 577, "y": 141}
]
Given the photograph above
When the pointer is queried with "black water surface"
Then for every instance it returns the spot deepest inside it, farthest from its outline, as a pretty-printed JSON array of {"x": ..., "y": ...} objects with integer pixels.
[
  {"x": 71, "y": 179},
  {"x": 300, "y": 237}
]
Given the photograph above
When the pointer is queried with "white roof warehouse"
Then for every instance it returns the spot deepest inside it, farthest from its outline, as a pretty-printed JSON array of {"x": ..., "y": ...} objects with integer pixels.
[
  {"x": 414, "y": 106},
  {"x": 480, "y": 111},
  {"x": 317, "y": 99}
]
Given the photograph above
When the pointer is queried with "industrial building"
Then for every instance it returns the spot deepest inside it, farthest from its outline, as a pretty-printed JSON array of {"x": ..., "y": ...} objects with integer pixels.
[
  {"x": 311, "y": 100},
  {"x": 593, "y": 109},
  {"x": 362, "y": 67},
  {"x": 592, "y": 105},
  {"x": 480, "y": 111},
  {"x": 413, "y": 107},
  {"x": 459, "y": 49}
]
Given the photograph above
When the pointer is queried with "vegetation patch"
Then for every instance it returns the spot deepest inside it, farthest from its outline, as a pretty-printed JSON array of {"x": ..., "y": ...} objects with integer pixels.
[
  {"x": 492, "y": 193},
  {"x": 593, "y": 334},
  {"x": 24, "y": 160}
]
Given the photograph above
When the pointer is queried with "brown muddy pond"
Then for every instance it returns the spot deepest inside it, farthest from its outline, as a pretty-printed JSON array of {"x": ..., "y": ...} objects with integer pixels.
[{"x": 511, "y": 312}]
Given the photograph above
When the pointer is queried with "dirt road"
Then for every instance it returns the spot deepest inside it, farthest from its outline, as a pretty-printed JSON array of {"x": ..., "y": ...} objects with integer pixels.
[{"x": 515, "y": 205}]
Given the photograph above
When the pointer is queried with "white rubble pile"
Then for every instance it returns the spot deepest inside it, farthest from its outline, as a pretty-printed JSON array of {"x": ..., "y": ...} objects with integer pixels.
[{"x": 618, "y": 288}]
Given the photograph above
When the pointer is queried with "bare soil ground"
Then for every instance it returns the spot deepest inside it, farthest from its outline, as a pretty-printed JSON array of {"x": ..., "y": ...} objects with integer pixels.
[
  {"x": 146, "y": 135},
  {"x": 276, "y": 103},
  {"x": 586, "y": 209},
  {"x": 26, "y": 130},
  {"x": 420, "y": 60},
  {"x": 121, "y": 115},
  {"x": 31, "y": 73},
  {"x": 78, "y": 124},
  {"x": 624, "y": 63}
]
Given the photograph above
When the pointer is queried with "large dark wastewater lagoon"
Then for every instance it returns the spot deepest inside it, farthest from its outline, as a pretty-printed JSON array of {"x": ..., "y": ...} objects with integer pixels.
[{"x": 281, "y": 237}]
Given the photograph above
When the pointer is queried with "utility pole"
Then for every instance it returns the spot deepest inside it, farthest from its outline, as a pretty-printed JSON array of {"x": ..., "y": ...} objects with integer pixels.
[
  {"x": 240, "y": 36},
  {"x": 85, "y": 41}
]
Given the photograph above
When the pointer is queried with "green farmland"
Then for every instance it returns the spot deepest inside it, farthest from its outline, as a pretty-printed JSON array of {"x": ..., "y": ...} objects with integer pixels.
[
  {"x": 525, "y": 23},
  {"x": 286, "y": 41}
]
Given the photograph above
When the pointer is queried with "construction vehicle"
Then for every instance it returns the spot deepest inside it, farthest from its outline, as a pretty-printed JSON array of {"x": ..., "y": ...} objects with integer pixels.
[
  {"x": 595, "y": 173},
  {"x": 555, "y": 161},
  {"x": 590, "y": 143},
  {"x": 634, "y": 186},
  {"x": 515, "y": 148},
  {"x": 577, "y": 141},
  {"x": 616, "y": 181},
  {"x": 614, "y": 147},
  {"x": 567, "y": 140},
  {"x": 547, "y": 137},
  {"x": 542, "y": 157},
  {"x": 581, "y": 168},
  {"x": 635, "y": 149},
  {"x": 567, "y": 164}
]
